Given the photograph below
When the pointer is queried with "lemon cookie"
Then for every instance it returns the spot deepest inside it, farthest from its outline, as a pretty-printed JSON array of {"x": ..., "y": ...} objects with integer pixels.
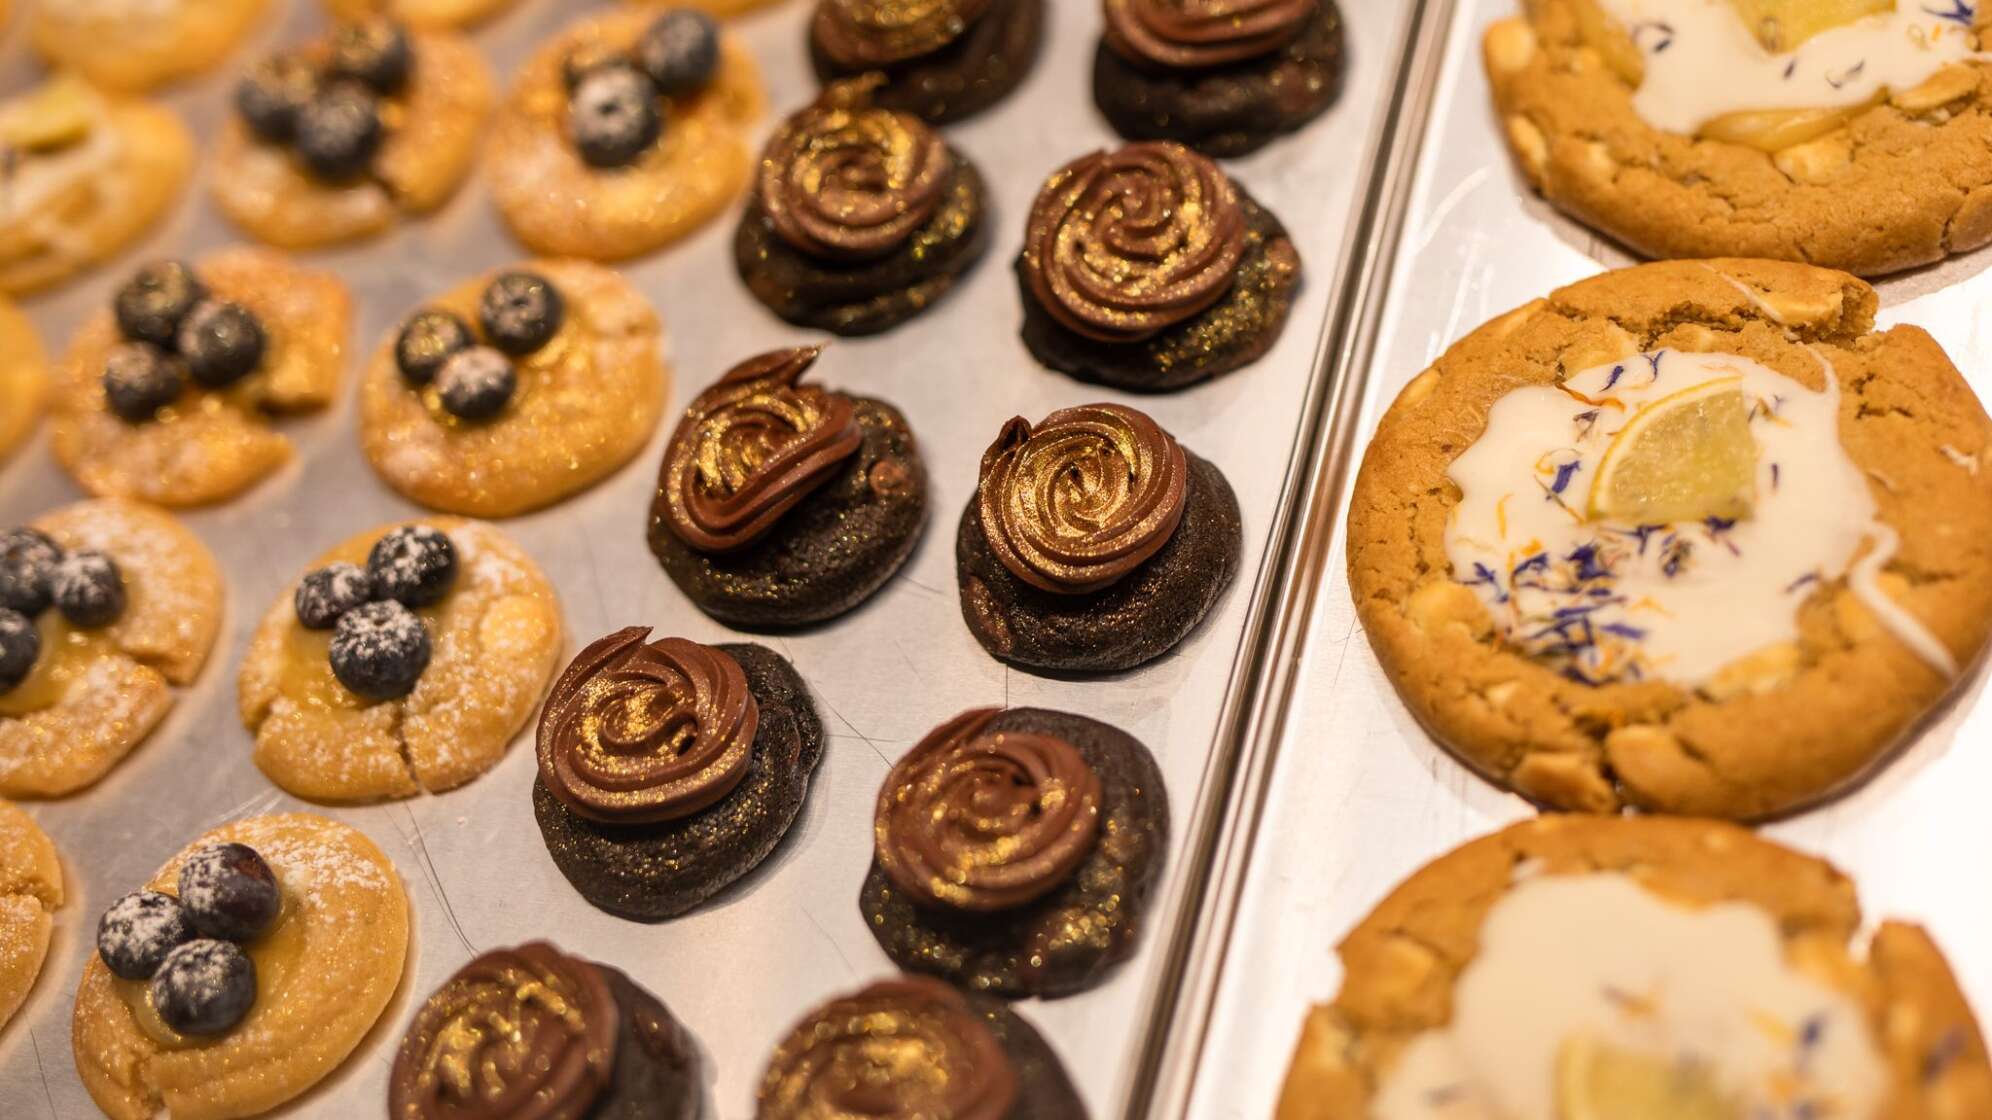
[
  {"x": 626, "y": 132},
  {"x": 337, "y": 140},
  {"x": 30, "y": 890},
  {"x": 248, "y": 969},
  {"x": 169, "y": 396},
  {"x": 1692, "y": 537},
  {"x": 104, "y": 607},
  {"x": 88, "y": 173},
  {"x": 407, "y": 659},
  {"x": 1850, "y": 135},
  {"x": 427, "y": 15},
  {"x": 121, "y": 45},
  {"x": 515, "y": 390},
  {"x": 1596, "y": 969},
  {"x": 23, "y": 377}
]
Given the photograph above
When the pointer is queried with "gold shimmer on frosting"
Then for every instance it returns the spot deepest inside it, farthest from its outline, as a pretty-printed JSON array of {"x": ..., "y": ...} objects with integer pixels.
[
  {"x": 1082, "y": 499},
  {"x": 517, "y": 1034},
  {"x": 977, "y": 821},
  {"x": 910, "y": 1048},
  {"x": 846, "y": 180},
  {"x": 637, "y": 733},
  {"x": 750, "y": 448},
  {"x": 1192, "y": 34},
  {"x": 880, "y": 32},
  {"x": 1124, "y": 244}
]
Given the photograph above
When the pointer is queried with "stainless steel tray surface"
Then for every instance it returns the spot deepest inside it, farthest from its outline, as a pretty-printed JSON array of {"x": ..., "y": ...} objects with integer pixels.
[{"x": 740, "y": 970}]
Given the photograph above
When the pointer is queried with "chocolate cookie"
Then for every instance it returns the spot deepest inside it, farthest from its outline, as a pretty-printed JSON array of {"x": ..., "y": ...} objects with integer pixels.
[
  {"x": 916, "y": 1047},
  {"x": 531, "y": 1032},
  {"x": 992, "y": 864},
  {"x": 668, "y": 770},
  {"x": 1114, "y": 574},
  {"x": 1223, "y": 76},
  {"x": 944, "y": 60},
  {"x": 780, "y": 504},
  {"x": 861, "y": 217},
  {"x": 1205, "y": 295}
]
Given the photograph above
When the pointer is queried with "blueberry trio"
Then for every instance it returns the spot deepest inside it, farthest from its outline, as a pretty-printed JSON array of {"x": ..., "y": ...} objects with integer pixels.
[
  {"x": 175, "y": 331},
  {"x": 615, "y": 102},
  {"x": 190, "y": 947},
  {"x": 36, "y": 574},
  {"x": 519, "y": 313},
  {"x": 380, "y": 646},
  {"x": 329, "y": 111}
]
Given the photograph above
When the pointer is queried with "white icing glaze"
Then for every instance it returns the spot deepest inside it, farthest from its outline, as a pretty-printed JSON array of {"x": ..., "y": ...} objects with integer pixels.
[
  {"x": 1702, "y": 62},
  {"x": 1597, "y": 956}
]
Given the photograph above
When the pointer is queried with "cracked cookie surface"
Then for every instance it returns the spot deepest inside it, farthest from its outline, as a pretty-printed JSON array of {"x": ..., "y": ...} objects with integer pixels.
[
  {"x": 121, "y": 46},
  {"x": 1786, "y": 731},
  {"x": 30, "y": 891}
]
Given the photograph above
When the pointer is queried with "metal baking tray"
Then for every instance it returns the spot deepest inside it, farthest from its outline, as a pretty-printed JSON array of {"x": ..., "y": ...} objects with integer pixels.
[
  {"x": 1344, "y": 794},
  {"x": 740, "y": 970}
]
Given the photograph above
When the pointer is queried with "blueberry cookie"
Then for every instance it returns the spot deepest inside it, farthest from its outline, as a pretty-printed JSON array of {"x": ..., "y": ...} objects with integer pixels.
[
  {"x": 1590, "y": 967},
  {"x": 243, "y": 974},
  {"x": 421, "y": 15},
  {"x": 31, "y": 890},
  {"x": 105, "y": 607},
  {"x": 405, "y": 660},
  {"x": 131, "y": 48},
  {"x": 944, "y": 60},
  {"x": 23, "y": 378},
  {"x": 669, "y": 769},
  {"x": 171, "y": 394},
  {"x": 625, "y": 133}
]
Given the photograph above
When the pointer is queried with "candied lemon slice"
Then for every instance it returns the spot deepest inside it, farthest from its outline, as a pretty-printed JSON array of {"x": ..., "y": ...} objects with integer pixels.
[
  {"x": 1774, "y": 130},
  {"x": 1596, "y": 1081},
  {"x": 54, "y": 116},
  {"x": 1684, "y": 457},
  {"x": 1603, "y": 34},
  {"x": 1781, "y": 25}
]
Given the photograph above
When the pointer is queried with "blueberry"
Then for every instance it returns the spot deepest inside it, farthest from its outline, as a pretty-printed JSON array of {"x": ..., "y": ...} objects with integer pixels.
[
  {"x": 152, "y": 304},
  {"x": 376, "y": 54},
  {"x": 477, "y": 384},
  {"x": 89, "y": 589},
  {"x": 270, "y": 97},
  {"x": 426, "y": 341},
  {"x": 582, "y": 60},
  {"x": 229, "y": 892},
  {"x": 20, "y": 645},
  {"x": 613, "y": 115},
  {"x": 339, "y": 130},
  {"x": 204, "y": 987},
  {"x": 221, "y": 342},
  {"x": 680, "y": 51},
  {"x": 322, "y": 596},
  {"x": 520, "y": 312},
  {"x": 380, "y": 650},
  {"x": 137, "y": 932},
  {"x": 140, "y": 379},
  {"x": 413, "y": 565},
  {"x": 27, "y": 570}
]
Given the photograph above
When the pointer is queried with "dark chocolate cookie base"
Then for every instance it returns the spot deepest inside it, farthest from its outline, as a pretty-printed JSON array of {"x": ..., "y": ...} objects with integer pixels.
[
  {"x": 825, "y": 556},
  {"x": 654, "y": 871},
  {"x": 1230, "y": 110},
  {"x": 866, "y": 297},
  {"x": 963, "y": 78},
  {"x": 1044, "y": 1089},
  {"x": 1232, "y": 333},
  {"x": 1132, "y": 621},
  {"x": 1066, "y": 941},
  {"x": 657, "y": 1068}
]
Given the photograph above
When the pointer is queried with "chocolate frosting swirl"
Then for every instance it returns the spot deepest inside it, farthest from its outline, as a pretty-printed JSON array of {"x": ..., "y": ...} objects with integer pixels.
[
  {"x": 517, "y": 1034},
  {"x": 861, "y": 33},
  {"x": 1082, "y": 499},
  {"x": 1124, "y": 244},
  {"x": 910, "y": 1048},
  {"x": 751, "y": 447},
  {"x": 846, "y": 180},
  {"x": 974, "y": 820},
  {"x": 637, "y": 733},
  {"x": 1194, "y": 34}
]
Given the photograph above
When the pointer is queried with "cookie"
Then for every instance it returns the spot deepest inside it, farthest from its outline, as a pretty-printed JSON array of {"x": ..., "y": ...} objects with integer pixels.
[
  {"x": 861, "y": 217},
  {"x": 1739, "y": 638},
  {"x": 944, "y": 60},
  {"x": 1668, "y": 968},
  {"x": 1014, "y": 851},
  {"x": 915, "y": 1047},
  {"x": 322, "y": 973},
  {"x": 658, "y": 165},
  {"x": 1095, "y": 542},
  {"x": 587, "y": 385},
  {"x": 91, "y": 172},
  {"x": 30, "y": 891},
  {"x": 341, "y": 138},
  {"x": 668, "y": 769},
  {"x": 436, "y": 704},
  {"x": 781, "y": 504},
  {"x": 426, "y": 15},
  {"x": 1114, "y": 294},
  {"x": 130, "y": 49},
  {"x": 1223, "y": 78},
  {"x": 103, "y": 665},
  {"x": 187, "y": 419},
  {"x": 23, "y": 378},
  {"x": 532, "y": 1031}
]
